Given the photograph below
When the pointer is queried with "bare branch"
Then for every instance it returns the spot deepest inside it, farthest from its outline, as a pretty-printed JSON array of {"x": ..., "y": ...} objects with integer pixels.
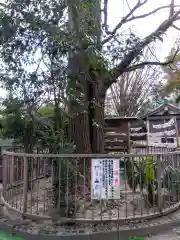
[
  {"x": 143, "y": 64},
  {"x": 127, "y": 95},
  {"x": 105, "y": 15},
  {"x": 177, "y": 28},
  {"x": 126, "y": 19},
  {"x": 4, "y": 5},
  {"x": 128, "y": 59},
  {"x": 171, "y": 9}
]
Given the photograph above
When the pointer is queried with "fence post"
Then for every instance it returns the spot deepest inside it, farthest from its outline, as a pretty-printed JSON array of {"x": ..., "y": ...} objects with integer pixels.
[
  {"x": 5, "y": 172},
  {"x": 12, "y": 170},
  {"x": 25, "y": 184},
  {"x": 159, "y": 183}
]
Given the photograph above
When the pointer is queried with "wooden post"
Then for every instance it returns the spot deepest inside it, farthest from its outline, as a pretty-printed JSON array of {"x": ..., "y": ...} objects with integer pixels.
[
  {"x": 5, "y": 172},
  {"x": 25, "y": 184}
]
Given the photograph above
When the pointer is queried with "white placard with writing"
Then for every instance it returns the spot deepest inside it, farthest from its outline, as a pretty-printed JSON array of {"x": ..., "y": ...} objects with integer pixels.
[{"x": 105, "y": 179}]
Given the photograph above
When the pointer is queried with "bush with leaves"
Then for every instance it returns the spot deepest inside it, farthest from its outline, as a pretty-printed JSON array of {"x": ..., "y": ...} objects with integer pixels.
[
  {"x": 17, "y": 124},
  {"x": 171, "y": 180},
  {"x": 46, "y": 134},
  {"x": 142, "y": 173}
]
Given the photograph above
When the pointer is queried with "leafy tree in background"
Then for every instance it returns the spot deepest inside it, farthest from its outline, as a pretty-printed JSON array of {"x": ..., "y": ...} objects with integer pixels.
[
  {"x": 155, "y": 99},
  {"x": 172, "y": 74},
  {"x": 17, "y": 124}
]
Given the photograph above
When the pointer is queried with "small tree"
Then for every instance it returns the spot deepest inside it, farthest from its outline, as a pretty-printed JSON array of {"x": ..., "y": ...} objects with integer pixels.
[{"x": 17, "y": 124}]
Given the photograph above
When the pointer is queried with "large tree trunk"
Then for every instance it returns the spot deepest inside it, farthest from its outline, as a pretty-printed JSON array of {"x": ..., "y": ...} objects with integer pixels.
[
  {"x": 88, "y": 127},
  {"x": 97, "y": 140},
  {"x": 88, "y": 113},
  {"x": 86, "y": 93}
]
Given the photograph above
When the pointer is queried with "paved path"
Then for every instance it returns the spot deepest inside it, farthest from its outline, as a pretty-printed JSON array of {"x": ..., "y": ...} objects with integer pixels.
[{"x": 171, "y": 235}]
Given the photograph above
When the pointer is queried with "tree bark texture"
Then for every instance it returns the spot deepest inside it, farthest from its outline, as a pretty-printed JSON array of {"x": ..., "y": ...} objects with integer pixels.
[{"x": 86, "y": 92}]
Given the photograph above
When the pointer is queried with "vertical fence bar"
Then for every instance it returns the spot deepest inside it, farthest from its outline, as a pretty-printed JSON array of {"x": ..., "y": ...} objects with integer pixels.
[
  {"x": 129, "y": 137},
  {"x": 159, "y": 184},
  {"x": 13, "y": 169},
  {"x": 25, "y": 185},
  {"x": 1, "y": 164},
  {"x": 5, "y": 172}
]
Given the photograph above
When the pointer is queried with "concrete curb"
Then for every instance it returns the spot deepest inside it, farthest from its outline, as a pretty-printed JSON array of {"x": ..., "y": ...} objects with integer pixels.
[{"x": 122, "y": 234}]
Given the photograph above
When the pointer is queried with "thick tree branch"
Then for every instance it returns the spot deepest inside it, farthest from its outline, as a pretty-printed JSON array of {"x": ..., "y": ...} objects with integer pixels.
[
  {"x": 128, "y": 58},
  {"x": 143, "y": 64}
]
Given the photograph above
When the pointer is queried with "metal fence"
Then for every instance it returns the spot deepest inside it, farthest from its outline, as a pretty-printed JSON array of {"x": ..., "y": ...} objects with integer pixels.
[
  {"x": 10, "y": 148},
  {"x": 59, "y": 186}
]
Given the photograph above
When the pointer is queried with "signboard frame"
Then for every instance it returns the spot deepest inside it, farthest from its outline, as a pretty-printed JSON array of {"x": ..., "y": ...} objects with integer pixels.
[{"x": 105, "y": 178}]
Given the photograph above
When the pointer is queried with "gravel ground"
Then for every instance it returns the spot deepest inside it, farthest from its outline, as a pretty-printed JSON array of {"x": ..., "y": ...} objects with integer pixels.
[
  {"x": 58, "y": 229},
  {"x": 129, "y": 204}
]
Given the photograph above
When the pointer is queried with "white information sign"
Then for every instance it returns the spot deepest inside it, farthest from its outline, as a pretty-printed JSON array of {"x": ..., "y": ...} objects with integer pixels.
[
  {"x": 156, "y": 141},
  {"x": 105, "y": 179}
]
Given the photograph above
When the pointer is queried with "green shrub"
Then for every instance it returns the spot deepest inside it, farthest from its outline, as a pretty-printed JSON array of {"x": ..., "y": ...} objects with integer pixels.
[
  {"x": 171, "y": 179},
  {"x": 142, "y": 174}
]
